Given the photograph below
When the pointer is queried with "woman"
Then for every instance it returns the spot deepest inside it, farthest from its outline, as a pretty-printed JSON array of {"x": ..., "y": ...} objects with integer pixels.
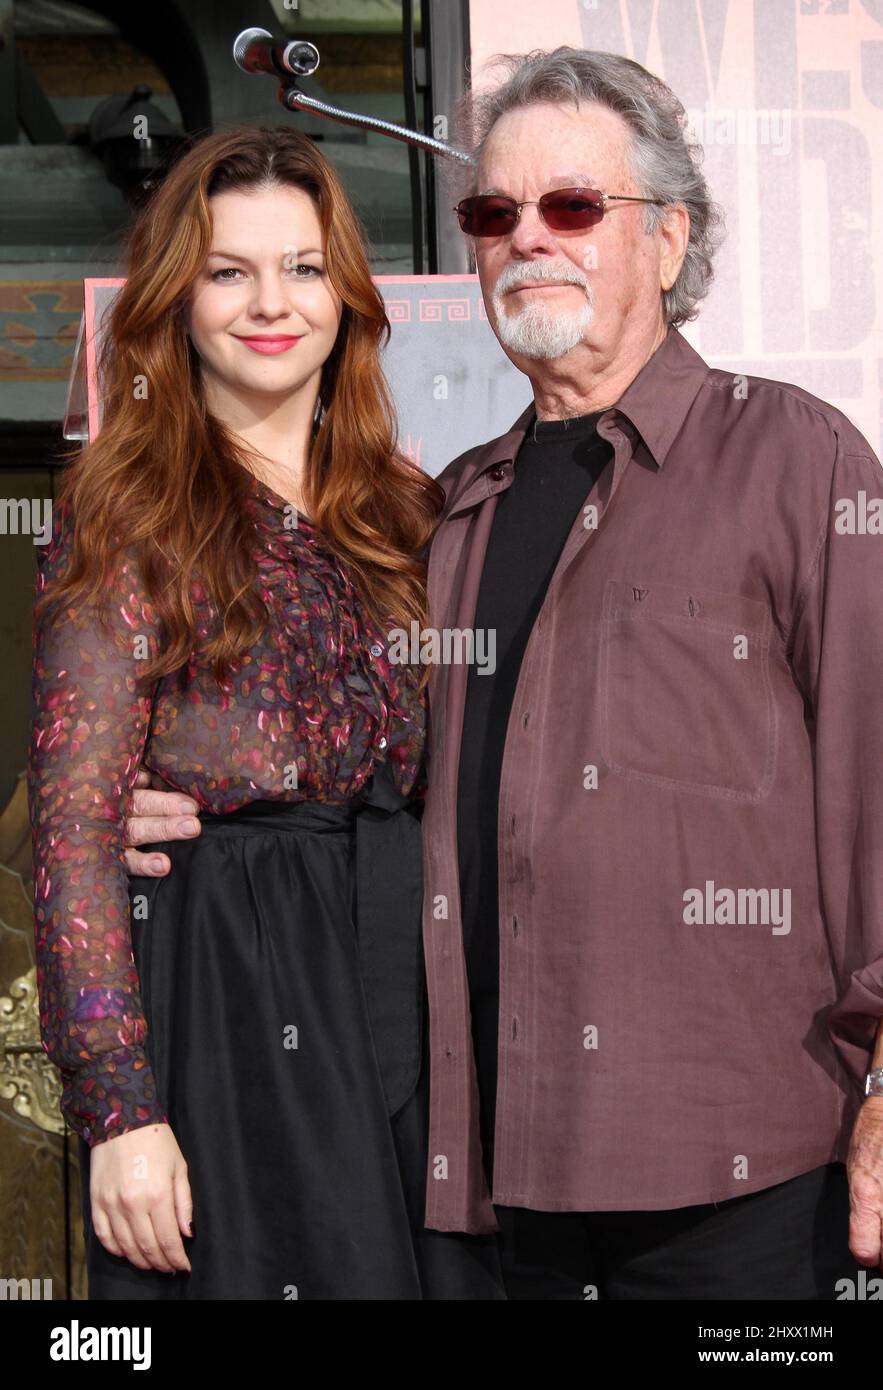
[{"x": 240, "y": 1042}]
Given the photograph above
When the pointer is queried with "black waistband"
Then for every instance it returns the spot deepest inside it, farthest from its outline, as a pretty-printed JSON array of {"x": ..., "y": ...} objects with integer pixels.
[
  {"x": 379, "y": 793},
  {"x": 260, "y": 816}
]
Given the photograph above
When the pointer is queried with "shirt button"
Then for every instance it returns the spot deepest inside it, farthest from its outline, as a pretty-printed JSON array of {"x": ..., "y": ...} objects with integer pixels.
[
  {"x": 376, "y": 649},
  {"x": 382, "y": 743},
  {"x": 496, "y": 474}
]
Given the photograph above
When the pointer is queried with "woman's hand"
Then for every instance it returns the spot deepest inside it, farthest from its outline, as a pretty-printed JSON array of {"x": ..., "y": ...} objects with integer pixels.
[
  {"x": 156, "y": 816},
  {"x": 140, "y": 1198}
]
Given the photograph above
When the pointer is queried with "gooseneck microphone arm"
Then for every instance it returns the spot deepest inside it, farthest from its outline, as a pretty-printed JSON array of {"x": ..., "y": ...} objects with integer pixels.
[
  {"x": 295, "y": 100},
  {"x": 256, "y": 51}
]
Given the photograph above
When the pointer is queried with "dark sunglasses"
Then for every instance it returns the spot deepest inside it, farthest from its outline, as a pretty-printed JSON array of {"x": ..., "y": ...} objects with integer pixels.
[{"x": 563, "y": 210}]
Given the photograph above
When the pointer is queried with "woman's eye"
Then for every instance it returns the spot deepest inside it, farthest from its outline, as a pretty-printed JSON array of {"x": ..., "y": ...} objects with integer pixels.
[{"x": 225, "y": 276}]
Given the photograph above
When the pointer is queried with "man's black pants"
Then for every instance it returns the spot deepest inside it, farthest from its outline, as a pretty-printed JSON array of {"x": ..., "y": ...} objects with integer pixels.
[{"x": 789, "y": 1241}]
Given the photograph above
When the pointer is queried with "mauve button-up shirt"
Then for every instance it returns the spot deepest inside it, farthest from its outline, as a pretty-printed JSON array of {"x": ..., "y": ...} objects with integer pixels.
[{"x": 691, "y": 811}]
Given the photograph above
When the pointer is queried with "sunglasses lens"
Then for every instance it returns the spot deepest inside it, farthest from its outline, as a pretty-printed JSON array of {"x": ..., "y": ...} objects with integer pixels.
[
  {"x": 487, "y": 215},
  {"x": 572, "y": 209},
  {"x": 565, "y": 210}
]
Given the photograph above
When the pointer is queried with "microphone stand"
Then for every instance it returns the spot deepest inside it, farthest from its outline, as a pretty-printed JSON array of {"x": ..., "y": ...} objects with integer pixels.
[
  {"x": 293, "y": 99},
  {"x": 303, "y": 59}
]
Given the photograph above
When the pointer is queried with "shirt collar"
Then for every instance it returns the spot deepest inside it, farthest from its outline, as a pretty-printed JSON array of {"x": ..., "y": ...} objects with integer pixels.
[{"x": 656, "y": 403}]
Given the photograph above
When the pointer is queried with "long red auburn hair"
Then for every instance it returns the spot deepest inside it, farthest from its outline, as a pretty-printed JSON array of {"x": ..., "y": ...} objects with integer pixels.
[{"x": 164, "y": 479}]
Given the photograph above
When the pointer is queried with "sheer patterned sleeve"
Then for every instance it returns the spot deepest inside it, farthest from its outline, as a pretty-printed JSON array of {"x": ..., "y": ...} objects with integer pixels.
[{"x": 89, "y": 724}]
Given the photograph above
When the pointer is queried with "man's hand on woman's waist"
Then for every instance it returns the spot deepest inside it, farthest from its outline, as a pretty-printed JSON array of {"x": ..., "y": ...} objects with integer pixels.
[{"x": 156, "y": 815}]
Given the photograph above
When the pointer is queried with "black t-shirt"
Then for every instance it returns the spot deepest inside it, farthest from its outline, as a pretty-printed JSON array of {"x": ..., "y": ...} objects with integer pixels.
[{"x": 554, "y": 471}]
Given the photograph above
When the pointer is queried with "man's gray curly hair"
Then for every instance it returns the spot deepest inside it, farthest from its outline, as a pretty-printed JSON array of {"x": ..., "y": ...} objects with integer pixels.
[{"x": 663, "y": 161}]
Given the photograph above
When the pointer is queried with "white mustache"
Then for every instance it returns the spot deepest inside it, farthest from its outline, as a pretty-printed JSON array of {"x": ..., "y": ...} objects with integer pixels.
[{"x": 514, "y": 280}]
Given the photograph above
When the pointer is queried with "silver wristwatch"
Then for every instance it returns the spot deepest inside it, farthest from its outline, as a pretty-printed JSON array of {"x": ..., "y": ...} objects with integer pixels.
[{"x": 874, "y": 1082}]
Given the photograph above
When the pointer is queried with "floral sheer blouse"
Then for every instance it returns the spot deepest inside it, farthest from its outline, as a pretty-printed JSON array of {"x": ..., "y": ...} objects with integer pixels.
[{"x": 305, "y": 714}]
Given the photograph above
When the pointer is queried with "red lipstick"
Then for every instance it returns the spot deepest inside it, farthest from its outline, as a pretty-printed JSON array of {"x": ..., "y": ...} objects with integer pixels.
[{"x": 269, "y": 343}]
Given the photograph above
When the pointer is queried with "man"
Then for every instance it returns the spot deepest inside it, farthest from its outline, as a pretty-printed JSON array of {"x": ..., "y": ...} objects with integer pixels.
[{"x": 653, "y": 922}]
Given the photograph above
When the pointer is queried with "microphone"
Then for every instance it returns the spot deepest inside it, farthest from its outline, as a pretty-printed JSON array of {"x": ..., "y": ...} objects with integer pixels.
[{"x": 255, "y": 50}]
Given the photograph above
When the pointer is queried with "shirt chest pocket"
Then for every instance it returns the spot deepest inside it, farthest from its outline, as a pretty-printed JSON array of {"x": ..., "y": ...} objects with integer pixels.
[{"x": 686, "y": 694}]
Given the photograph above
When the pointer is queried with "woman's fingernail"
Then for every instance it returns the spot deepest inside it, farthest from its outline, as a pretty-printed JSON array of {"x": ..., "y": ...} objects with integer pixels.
[
  {"x": 190, "y": 826},
  {"x": 158, "y": 864}
]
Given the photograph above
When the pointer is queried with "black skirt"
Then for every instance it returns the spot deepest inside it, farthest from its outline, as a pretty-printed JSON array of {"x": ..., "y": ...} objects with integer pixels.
[{"x": 282, "y": 980}]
